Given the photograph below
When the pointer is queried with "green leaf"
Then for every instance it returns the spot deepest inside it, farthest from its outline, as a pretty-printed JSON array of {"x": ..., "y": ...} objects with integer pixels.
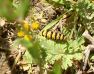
[
  {"x": 33, "y": 49},
  {"x": 7, "y": 10},
  {"x": 64, "y": 50},
  {"x": 27, "y": 57},
  {"x": 26, "y": 43},
  {"x": 22, "y": 10},
  {"x": 10, "y": 12},
  {"x": 78, "y": 56},
  {"x": 59, "y": 1},
  {"x": 67, "y": 61},
  {"x": 52, "y": 23},
  {"x": 57, "y": 68},
  {"x": 92, "y": 57},
  {"x": 51, "y": 45}
]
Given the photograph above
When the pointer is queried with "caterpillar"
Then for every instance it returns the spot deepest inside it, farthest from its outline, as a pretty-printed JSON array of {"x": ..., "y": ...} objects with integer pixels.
[{"x": 52, "y": 35}]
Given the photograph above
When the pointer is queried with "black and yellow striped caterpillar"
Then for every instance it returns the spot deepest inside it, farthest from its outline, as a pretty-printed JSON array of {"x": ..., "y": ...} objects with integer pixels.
[{"x": 52, "y": 35}]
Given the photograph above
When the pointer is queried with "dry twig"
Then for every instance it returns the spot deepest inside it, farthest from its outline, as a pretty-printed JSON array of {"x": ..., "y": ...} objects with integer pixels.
[{"x": 89, "y": 48}]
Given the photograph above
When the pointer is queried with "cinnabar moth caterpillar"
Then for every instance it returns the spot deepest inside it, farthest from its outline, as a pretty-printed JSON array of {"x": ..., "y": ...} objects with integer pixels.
[{"x": 52, "y": 35}]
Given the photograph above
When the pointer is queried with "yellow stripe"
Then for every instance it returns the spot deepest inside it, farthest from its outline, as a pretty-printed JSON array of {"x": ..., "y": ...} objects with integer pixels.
[
  {"x": 44, "y": 33},
  {"x": 61, "y": 37},
  {"x": 53, "y": 35},
  {"x": 49, "y": 34},
  {"x": 57, "y": 36}
]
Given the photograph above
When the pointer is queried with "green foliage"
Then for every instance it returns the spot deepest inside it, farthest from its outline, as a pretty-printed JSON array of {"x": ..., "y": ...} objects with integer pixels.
[
  {"x": 33, "y": 49},
  {"x": 84, "y": 8},
  {"x": 28, "y": 58},
  {"x": 45, "y": 51},
  {"x": 53, "y": 22},
  {"x": 65, "y": 51},
  {"x": 91, "y": 57},
  {"x": 22, "y": 9},
  {"x": 57, "y": 68},
  {"x": 6, "y": 9},
  {"x": 82, "y": 16},
  {"x": 10, "y": 12}
]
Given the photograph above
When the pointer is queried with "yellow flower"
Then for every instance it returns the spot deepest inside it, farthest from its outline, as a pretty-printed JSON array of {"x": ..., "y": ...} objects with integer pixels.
[
  {"x": 28, "y": 37},
  {"x": 26, "y": 25},
  {"x": 35, "y": 25},
  {"x": 20, "y": 34}
]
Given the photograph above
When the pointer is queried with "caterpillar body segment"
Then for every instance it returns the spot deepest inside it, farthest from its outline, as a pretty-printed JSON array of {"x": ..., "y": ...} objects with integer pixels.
[
  {"x": 44, "y": 33},
  {"x": 52, "y": 35},
  {"x": 58, "y": 36},
  {"x": 61, "y": 37},
  {"x": 48, "y": 34}
]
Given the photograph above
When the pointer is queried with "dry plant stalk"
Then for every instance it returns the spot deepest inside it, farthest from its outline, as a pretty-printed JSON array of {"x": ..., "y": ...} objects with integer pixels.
[{"x": 89, "y": 48}]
